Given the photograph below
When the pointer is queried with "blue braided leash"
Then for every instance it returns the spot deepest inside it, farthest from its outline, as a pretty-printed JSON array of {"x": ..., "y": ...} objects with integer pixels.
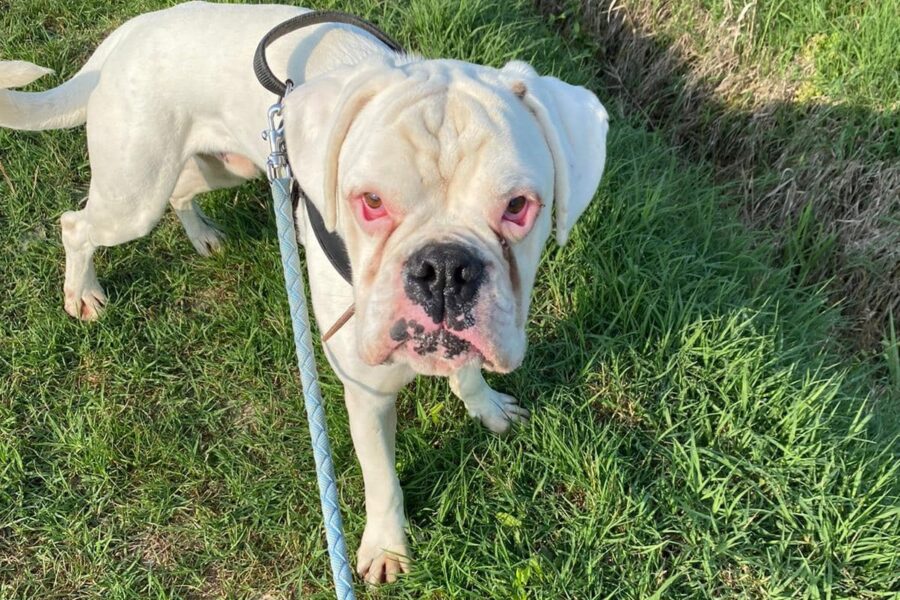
[{"x": 280, "y": 180}]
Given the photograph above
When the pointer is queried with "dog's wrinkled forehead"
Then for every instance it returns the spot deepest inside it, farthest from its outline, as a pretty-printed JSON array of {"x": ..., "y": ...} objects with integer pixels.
[
  {"x": 523, "y": 133},
  {"x": 456, "y": 128}
]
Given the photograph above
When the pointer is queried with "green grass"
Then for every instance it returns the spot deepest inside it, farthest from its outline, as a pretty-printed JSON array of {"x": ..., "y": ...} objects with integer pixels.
[
  {"x": 847, "y": 49},
  {"x": 849, "y": 45},
  {"x": 697, "y": 429}
]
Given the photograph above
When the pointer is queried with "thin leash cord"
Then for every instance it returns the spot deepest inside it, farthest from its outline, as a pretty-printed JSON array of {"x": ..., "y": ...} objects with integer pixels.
[
  {"x": 280, "y": 178},
  {"x": 312, "y": 396}
]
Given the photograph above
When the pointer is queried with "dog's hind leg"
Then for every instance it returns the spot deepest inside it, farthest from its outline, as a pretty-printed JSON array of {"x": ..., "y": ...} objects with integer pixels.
[
  {"x": 113, "y": 215},
  {"x": 103, "y": 222},
  {"x": 84, "y": 298},
  {"x": 133, "y": 176},
  {"x": 203, "y": 173},
  {"x": 116, "y": 213}
]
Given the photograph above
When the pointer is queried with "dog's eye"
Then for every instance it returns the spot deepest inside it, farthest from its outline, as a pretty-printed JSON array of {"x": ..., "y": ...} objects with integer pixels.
[
  {"x": 517, "y": 210},
  {"x": 516, "y": 205},
  {"x": 371, "y": 206},
  {"x": 372, "y": 200}
]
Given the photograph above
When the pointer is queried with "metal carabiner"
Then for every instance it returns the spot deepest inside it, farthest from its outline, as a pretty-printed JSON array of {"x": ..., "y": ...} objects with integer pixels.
[{"x": 277, "y": 166}]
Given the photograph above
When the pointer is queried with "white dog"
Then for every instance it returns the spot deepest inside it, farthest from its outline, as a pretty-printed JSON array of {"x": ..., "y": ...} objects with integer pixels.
[{"x": 439, "y": 175}]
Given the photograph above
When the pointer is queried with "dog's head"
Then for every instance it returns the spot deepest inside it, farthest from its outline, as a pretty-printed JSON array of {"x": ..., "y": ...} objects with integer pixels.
[{"x": 442, "y": 177}]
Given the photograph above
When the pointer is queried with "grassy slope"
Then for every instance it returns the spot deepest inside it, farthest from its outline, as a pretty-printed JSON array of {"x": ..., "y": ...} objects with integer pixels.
[
  {"x": 692, "y": 435},
  {"x": 796, "y": 104}
]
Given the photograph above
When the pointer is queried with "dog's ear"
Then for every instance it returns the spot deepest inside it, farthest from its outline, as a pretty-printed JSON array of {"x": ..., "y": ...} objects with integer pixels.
[
  {"x": 574, "y": 124},
  {"x": 318, "y": 115}
]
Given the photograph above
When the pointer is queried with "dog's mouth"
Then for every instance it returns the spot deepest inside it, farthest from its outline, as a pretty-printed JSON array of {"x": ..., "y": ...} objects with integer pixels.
[
  {"x": 440, "y": 340},
  {"x": 431, "y": 350}
]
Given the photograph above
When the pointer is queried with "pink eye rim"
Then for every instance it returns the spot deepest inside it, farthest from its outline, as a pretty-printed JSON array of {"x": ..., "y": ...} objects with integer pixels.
[
  {"x": 371, "y": 206},
  {"x": 519, "y": 208}
]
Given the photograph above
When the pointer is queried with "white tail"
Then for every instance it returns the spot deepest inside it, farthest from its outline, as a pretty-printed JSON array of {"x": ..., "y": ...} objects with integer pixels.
[
  {"x": 63, "y": 106},
  {"x": 16, "y": 73}
]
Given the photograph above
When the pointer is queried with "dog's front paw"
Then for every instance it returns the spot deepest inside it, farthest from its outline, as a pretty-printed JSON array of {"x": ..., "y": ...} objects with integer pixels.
[
  {"x": 496, "y": 411},
  {"x": 383, "y": 554}
]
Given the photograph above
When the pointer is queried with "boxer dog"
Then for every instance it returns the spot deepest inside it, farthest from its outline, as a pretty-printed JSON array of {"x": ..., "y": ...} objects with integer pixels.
[{"x": 440, "y": 176}]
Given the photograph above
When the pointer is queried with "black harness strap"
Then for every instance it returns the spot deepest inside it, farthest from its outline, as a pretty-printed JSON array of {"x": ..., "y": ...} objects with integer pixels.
[{"x": 332, "y": 244}]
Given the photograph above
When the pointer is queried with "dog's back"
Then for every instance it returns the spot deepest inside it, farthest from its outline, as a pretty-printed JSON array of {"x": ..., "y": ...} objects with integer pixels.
[{"x": 177, "y": 41}]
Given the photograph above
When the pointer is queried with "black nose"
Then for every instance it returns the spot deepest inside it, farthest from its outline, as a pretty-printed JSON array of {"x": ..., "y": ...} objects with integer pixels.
[{"x": 444, "y": 279}]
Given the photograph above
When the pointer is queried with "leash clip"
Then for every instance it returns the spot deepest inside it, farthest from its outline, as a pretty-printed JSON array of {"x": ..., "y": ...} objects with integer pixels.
[{"x": 277, "y": 166}]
